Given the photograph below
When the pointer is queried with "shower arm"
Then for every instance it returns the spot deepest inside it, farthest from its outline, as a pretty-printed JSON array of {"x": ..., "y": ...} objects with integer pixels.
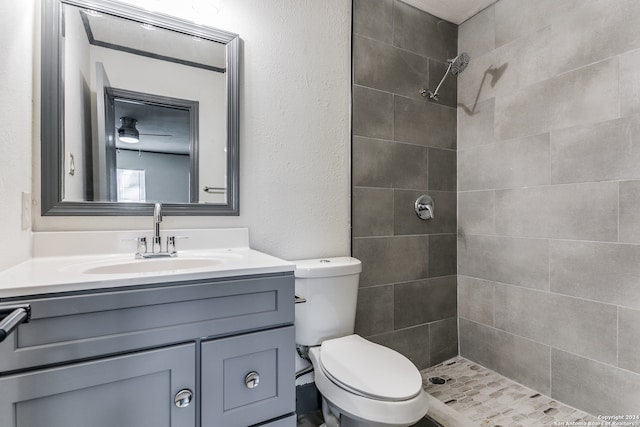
[{"x": 435, "y": 92}]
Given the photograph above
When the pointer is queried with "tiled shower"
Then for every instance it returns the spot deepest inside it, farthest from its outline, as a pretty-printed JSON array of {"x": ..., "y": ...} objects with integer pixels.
[
  {"x": 531, "y": 266},
  {"x": 403, "y": 147}
]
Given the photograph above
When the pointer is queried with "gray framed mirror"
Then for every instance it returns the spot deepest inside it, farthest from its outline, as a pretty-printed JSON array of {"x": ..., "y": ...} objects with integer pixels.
[{"x": 137, "y": 108}]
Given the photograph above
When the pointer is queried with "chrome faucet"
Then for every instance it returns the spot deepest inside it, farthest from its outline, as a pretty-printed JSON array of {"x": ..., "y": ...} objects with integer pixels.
[
  {"x": 157, "y": 219},
  {"x": 156, "y": 244}
]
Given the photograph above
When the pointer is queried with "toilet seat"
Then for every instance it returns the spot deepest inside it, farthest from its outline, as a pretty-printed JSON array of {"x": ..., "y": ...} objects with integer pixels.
[{"x": 361, "y": 367}]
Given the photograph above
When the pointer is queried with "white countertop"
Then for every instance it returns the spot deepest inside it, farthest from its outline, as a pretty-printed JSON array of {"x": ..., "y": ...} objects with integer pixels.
[{"x": 47, "y": 273}]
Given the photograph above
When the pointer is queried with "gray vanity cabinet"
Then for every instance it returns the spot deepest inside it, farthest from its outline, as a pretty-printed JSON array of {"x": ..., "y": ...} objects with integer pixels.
[
  {"x": 121, "y": 357},
  {"x": 133, "y": 390}
]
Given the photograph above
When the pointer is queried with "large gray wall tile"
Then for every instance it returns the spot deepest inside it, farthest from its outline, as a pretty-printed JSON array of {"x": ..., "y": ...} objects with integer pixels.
[
  {"x": 372, "y": 211},
  {"x": 517, "y": 18},
  {"x": 409, "y": 164},
  {"x": 475, "y": 300},
  {"x": 374, "y": 314},
  {"x": 606, "y": 272},
  {"x": 425, "y": 123},
  {"x": 372, "y": 113},
  {"x": 594, "y": 30},
  {"x": 596, "y": 152},
  {"x": 392, "y": 259},
  {"x": 523, "y": 360},
  {"x": 442, "y": 255},
  {"x": 374, "y": 19},
  {"x": 475, "y": 212},
  {"x": 517, "y": 261},
  {"x": 572, "y": 211},
  {"x": 579, "y": 326},
  {"x": 629, "y": 339},
  {"x": 475, "y": 124},
  {"x": 515, "y": 163},
  {"x": 476, "y": 36},
  {"x": 384, "y": 67},
  {"x": 372, "y": 162},
  {"x": 594, "y": 387},
  {"x": 507, "y": 70},
  {"x": 443, "y": 340},
  {"x": 630, "y": 211},
  {"x": 420, "y": 32},
  {"x": 442, "y": 170},
  {"x": 380, "y": 163},
  {"x": 407, "y": 222},
  {"x": 587, "y": 95},
  {"x": 630, "y": 83},
  {"x": 424, "y": 301},
  {"x": 412, "y": 342}
]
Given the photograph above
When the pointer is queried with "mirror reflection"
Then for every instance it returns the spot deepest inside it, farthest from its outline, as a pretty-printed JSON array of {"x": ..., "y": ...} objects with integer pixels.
[
  {"x": 103, "y": 53},
  {"x": 145, "y": 114},
  {"x": 155, "y": 155}
]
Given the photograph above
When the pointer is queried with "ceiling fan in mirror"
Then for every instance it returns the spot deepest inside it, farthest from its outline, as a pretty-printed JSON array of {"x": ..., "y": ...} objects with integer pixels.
[{"x": 127, "y": 132}]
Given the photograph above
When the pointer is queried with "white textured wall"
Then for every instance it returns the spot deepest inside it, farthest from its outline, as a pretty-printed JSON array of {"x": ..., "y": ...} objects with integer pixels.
[
  {"x": 294, "y": 135},
  {"x": 16, "y": 40}
]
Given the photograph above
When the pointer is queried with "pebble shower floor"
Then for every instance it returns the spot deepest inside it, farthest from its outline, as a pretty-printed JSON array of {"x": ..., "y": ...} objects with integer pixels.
[{"x": 489, "y": 399}]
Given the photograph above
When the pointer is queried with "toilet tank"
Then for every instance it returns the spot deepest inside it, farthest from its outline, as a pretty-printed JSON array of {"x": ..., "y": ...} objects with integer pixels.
[{"x": 330, "y": 287}]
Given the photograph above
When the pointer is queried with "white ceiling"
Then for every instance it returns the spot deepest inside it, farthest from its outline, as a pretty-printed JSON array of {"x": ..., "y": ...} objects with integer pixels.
[{"x": 456, "y": 11}]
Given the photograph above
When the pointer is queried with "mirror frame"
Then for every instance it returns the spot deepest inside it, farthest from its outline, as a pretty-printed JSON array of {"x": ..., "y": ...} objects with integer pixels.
[{"x": 52, "y": 114}]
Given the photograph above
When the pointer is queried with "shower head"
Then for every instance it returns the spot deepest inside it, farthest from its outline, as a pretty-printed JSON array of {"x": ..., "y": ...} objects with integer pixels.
[
  {"x": 459, "y": 63},
  {"x": 456, "y": 66}
]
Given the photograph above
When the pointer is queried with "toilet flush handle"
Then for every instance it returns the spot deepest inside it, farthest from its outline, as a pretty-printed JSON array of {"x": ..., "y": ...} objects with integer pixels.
[{"x": 299, "y": 299}]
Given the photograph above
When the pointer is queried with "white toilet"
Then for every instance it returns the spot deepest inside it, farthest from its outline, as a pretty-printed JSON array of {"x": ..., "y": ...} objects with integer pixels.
[{"x": 362, "y": 383}]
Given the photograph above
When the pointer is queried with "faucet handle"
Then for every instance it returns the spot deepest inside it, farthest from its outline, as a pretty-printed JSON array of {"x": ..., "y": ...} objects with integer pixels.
[
  {"x": 142, "y": 246},
  {"x": 156, "y": 244},
  {"x": 171, "y": 243}
]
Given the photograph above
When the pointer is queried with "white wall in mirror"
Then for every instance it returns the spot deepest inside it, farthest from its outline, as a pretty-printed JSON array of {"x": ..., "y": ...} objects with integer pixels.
[
  {"x": 76, "y": 106},
  {"x": 294, "y": 124}
]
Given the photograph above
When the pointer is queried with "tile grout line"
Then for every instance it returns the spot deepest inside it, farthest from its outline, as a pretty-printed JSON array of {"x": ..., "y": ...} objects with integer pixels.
[{"x": 618, "y": 336}]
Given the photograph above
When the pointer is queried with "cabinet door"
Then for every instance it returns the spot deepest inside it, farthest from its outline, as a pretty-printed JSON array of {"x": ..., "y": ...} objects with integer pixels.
[
  {"x": 135, "y": 390},
  {"x": 248, "y": 378}
]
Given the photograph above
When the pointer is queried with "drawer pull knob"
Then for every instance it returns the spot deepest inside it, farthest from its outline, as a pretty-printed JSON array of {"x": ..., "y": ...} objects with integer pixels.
[
  {"x": 252, "y": 380},
  {"x": 183, "y": 398}
]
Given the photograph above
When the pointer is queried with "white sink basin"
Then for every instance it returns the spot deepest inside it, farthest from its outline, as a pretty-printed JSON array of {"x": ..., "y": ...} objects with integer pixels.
[
  {"x": 154, "y": 265},
  {"x": 185, "y": 262}
]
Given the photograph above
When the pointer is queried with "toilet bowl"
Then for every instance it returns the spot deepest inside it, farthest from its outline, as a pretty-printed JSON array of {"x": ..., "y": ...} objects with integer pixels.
[
  {"x": 366, "y": 384},
  {"x": 361, "y": 383}
]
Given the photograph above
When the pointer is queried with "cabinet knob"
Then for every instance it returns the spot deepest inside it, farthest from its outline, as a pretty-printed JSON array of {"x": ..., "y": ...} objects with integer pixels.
[
  {"x": 183, "y": 398},
  {"x": 252, "y": 379}
]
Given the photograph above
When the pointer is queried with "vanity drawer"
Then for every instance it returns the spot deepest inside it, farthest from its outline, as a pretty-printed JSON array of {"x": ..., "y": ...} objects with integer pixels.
[
  {"x": 248, "y": 378},
  {"x": 79, "y": 326}
]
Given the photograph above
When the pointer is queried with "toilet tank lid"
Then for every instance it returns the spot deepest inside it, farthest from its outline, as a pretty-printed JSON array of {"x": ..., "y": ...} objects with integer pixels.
[{"x": 327, "y": 267}]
